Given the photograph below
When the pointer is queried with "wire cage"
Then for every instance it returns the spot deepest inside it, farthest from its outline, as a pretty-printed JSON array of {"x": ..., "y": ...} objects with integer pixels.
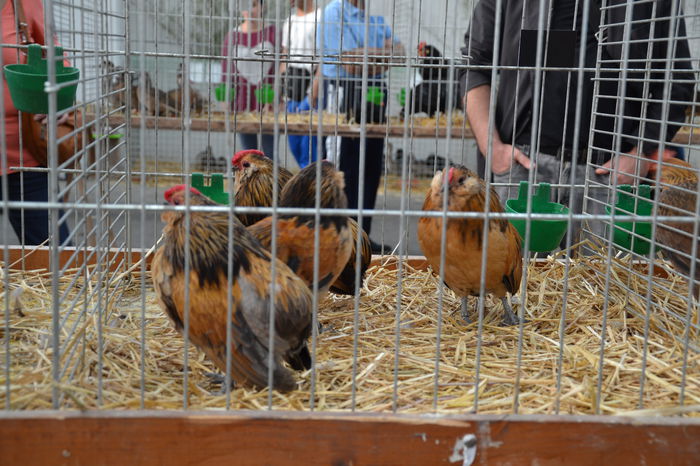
[{"x": 392, "y": 94}]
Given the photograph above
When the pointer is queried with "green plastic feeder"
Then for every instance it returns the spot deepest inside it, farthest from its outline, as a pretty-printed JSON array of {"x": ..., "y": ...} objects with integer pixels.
[
  {"x": 265, "y": 94},
  {"x": 545, "y": 235},
  {"x": 109, "y": 136},
  {"x": 26, "y": 82},
  {"x": 402, "y": 97},
  {"x": 215, "y": 189},
  {"x": 220, "y": 92},
  {"x": 623, "y": 232},
  {"x": 375, "y": 95}
]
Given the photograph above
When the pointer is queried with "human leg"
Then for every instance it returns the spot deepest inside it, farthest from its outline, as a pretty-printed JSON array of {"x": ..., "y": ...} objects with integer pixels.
[{"x": 32, "y": 225}]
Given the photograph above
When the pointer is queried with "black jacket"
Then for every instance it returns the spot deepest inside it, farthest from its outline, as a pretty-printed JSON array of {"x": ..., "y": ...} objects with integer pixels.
[{"x": 643, "y": 87}]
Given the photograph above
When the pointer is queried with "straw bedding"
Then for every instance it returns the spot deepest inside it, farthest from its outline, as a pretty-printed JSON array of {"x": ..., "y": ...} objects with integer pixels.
[{"x": 31, "y": 350}]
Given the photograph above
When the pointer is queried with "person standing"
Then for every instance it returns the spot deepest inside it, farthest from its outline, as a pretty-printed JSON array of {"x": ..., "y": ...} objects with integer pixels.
[
  {"x": 249, "y": 74},
  {"x": 299, "y": 41},
  {"x": 30, "y": 225},
  {"x": 554, "y": 127},
  {"x": 342, "y": 32}
]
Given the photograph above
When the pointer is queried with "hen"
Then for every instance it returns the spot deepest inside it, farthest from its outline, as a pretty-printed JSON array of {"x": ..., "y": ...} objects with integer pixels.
[
  {"x": 295, "y": 233},
  {"x": 253, "y": 182},
  {"x": 250, "y": 287},
  {"x": 677, "y": 197},
  {"x": 463, "y": 251}
]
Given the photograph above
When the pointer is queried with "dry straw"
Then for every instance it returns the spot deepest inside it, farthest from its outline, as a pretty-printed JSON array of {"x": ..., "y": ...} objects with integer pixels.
[{"x": 31, "y": 351}]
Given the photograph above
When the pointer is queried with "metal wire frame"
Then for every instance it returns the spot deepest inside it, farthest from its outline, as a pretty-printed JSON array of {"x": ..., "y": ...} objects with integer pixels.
[{"x": 123, "y": 201}]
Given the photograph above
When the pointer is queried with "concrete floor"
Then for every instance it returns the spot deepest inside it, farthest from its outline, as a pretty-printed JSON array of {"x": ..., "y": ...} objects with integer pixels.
[{"x": 384, "y": 229}]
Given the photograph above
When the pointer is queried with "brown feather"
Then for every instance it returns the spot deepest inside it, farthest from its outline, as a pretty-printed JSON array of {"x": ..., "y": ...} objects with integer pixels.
[
  {"x": 254, "y": 179},
  {"x": 345, "y": 284},
  {"x": 674, "y": 201},
  {"x": 250, "y": 285},
  {"x": 463, "y": 254},
  {"x": 295, "y": 233}
]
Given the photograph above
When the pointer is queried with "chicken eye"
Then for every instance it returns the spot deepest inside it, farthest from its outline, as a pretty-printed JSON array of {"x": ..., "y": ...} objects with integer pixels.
[
  {"x": 246, "y": 164},
  {"x": 462, "y": 179}
]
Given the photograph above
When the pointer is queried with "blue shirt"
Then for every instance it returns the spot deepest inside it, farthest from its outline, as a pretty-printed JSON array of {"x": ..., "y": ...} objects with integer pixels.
[{"x": 352, "y": 30}]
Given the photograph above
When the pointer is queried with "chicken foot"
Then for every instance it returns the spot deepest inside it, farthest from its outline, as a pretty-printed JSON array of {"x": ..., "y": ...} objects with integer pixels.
[{"x": 509, "y": 317}]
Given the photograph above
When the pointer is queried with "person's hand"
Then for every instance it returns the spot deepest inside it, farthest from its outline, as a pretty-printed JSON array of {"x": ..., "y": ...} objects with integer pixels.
[
  {"x": 44, "y": 118},
  {"x": 628, "y": 165},
  {"x": 503, "y": 157}
]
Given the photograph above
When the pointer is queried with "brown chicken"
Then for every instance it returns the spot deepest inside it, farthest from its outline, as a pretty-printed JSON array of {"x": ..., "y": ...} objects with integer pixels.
[
  {"x": 250, "y": 287},
  {"x": 295, "y": 233},
  {"x": 677, "y": 196},
  {"x": 345, "y": 284},
  {"x": 463, "y": 250},
  {"x": 253, "y": 182}
]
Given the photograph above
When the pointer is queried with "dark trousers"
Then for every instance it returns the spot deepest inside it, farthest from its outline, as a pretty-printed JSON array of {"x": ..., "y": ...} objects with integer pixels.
[
  {"x": 350, "y": 166},
  {"x": 250, "y": 141},
  {"x": 31, "y": 187}
]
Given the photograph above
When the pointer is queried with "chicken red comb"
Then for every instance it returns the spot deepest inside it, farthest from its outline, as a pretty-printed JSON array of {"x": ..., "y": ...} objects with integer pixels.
[
  {"x": 168, "y": 195},
  {"x": 242, "y": 153},
  {"x": 421, "y": 45},
  {"x": 450, "y": 174}
]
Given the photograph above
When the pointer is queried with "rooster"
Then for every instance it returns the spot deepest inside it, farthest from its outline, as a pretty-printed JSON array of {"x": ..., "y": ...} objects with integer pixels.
[
  {"x": 463, "y": 251},
  {"x": 677, "y": 197},
  {"x": 295, "y": 233},
  {"x": 253, "y": 182},
  {"x": 250, "y": 287}
]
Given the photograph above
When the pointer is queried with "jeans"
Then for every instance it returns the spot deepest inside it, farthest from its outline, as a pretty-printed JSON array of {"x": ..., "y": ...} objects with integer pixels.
[
  {"x": 36, "y": 221},
  {"x": 304, "y": 148},
  {"x": 250, "y": 141}
]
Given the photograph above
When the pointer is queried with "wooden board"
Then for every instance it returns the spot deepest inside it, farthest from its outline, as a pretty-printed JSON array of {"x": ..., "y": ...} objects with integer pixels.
[
  {"x": 158, "y": 437},
  {"x": 248, "y": 126},
  {"x": 684, "y": 136}
]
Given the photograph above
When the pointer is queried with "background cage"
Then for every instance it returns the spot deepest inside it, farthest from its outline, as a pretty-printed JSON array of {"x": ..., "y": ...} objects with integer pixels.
[{"x": 612, "y": 333}]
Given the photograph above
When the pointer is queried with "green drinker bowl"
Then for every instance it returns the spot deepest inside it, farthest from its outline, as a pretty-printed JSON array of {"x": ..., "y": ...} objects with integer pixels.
[
  {"x": 623, "y": 231},
  {"x": 375, "y": 95},
  {"x": 265, "y": 94},
  {"x": 401, "y": 96},
  {"x": 220, "y": 92},
  {"x": 26, "y": 82},
  {"x": 215, "y": 189},
  {"x": 545, "y": 235}
]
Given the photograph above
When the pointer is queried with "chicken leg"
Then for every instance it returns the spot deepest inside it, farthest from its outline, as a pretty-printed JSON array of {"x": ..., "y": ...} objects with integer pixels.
[
  {"x": 509, "y": 317},
  {"x": 464, "y": 312}
]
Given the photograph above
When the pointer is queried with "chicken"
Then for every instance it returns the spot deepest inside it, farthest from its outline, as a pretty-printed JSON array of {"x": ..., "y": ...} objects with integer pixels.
[
  {"x": 253, "y": 182},
  {"x": 345, "y": 284},
  {"x": 250, "y": 287},
  {"x": 674, "y": 201},
  {"x": 295, "y": 233},
  {"x": 463, "y": 250},
  {"x": 431, "y": 95},
  {"x": 176, "y": 97}
]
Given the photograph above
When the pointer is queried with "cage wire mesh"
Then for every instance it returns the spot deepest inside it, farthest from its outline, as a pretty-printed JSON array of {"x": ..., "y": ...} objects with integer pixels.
[{"x": 168, "y": 89}]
